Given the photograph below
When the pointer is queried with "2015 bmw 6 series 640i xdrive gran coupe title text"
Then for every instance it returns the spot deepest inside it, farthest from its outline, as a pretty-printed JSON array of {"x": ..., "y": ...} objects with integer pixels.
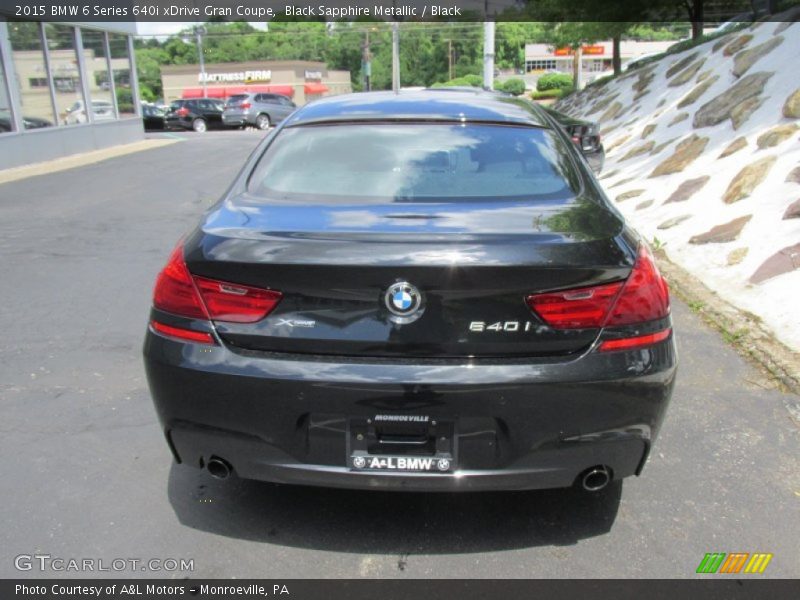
[{"x": 415, "y": 291}]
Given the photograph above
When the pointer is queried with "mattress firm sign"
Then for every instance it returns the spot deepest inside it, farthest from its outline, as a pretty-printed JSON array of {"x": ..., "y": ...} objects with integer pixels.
[{"x": 240, "y": 77}]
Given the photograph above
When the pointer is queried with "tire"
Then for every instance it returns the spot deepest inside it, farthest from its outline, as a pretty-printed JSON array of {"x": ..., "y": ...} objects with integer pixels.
[
  {"x": 199, "y": 125},
  {"x": 262, "y": 122}
]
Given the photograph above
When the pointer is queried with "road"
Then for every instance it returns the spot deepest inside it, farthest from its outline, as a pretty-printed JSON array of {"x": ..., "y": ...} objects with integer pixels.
[{"x": 87, "y": 473}]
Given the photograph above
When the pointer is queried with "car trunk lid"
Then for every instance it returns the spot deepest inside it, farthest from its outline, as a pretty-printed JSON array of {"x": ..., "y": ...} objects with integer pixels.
[{"x": 472, "y": 264}]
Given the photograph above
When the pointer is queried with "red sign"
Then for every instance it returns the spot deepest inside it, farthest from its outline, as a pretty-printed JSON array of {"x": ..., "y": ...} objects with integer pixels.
[{"x": 594, "y": 50}]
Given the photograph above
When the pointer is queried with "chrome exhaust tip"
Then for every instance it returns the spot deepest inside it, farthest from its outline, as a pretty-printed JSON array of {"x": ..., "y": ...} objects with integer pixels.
[
  {"x": 218, "y": 468},
  {"x": 596, "y": 478}
]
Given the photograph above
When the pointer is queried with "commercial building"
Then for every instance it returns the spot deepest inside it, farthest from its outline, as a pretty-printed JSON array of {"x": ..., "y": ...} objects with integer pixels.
[
  {"x": 50, "y": 73},
  {"x": 595, "y": 58},
  {"x": 300, "y": 80}
]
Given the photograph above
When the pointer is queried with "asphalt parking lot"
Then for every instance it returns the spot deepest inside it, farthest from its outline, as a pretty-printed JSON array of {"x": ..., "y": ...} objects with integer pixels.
[{"x": 87, "y": 473}]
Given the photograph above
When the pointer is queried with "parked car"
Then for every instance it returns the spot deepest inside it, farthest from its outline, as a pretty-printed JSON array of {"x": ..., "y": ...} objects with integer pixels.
[
  {"x": 414, "y": 291},
  {"x": 257, "y": 109},
  {"x": 152, "y": 117},
  {"x": 27, "y": 122},
  {"x": 585, "y": 135},
  {"x": 198, "y": 114},
  {"x": 102, "y": 110}
]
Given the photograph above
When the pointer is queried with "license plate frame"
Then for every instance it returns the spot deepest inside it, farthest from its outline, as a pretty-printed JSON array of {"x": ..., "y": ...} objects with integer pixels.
[
  {"x": 369, "y": 451},
  {"x": 401, "y": 464}
]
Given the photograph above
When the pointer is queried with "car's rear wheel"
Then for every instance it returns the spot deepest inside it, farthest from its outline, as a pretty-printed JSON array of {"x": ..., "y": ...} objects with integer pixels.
[
  {"x": 262, "y": 122},
  {"x": 199, "y": 125}
]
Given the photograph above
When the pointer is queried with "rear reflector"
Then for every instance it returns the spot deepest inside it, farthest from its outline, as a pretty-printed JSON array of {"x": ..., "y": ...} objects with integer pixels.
[
  {"x": 184, "y": 335},
  {"x": 634, "y": 342},
  {"x": 641, "y": 298},
  {"x": 179, "y": 292}
]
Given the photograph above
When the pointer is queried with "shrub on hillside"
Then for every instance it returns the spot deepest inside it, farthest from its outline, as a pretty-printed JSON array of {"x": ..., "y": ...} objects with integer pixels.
[
  {"x": 554, "y": 94},
  {"x": 465, "y": 81},
  {"x": 554, "y": 81},
  {"x": 511, "y": 86}
]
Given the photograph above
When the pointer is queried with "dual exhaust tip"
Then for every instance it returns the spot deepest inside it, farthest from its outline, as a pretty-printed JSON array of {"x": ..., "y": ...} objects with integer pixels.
[
  {"x": 218, "y": 468},
  {"x": 596, "y": 478}
]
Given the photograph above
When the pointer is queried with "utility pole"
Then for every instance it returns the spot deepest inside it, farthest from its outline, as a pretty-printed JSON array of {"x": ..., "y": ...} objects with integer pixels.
[
  {"x": 366, "y": 59},
  {"x": 199, "y": 32},
  {"x": 395, "y": 57},
  {"x": 449, "y": 59},
  {"x": 488, "y": 54}
]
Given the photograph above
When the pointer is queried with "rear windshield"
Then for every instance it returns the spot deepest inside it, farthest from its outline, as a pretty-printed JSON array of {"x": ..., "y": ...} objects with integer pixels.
[
  {"x": 414, "y": 163},
  {"x": 237, "y": 99}
]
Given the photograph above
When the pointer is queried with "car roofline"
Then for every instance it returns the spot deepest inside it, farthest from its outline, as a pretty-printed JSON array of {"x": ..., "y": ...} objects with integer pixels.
[{"x": 412, "y": 119}]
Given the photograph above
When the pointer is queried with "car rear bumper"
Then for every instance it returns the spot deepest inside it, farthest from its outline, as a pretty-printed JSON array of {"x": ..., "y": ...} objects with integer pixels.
[
  {"x": 510, "y": 425},
  {"x": 596, "y": 160},
  {"x": 237, "y": 119},
  {"x": 177, "y": 123}
]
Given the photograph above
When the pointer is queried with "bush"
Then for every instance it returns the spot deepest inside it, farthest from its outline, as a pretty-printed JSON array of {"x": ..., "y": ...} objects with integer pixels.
[
  {"x": 554, "y": 81},
  {"x": 124, "y": 96},
  {"x": 465, "y": 81},
  {"x": 512, "y": 86},
  {"x": 551, "y": 94}
]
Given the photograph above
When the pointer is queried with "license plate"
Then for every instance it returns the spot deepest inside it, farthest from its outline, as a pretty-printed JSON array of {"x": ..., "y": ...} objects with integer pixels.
[{"x": 405, "y": 464}]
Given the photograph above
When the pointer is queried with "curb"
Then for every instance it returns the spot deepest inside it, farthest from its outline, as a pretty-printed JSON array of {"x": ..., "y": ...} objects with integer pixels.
[
  {"x": 80, "y": 160},
  {"x": 741, "y": 329}
]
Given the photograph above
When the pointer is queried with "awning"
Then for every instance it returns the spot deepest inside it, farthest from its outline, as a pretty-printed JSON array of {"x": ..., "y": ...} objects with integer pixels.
[
  {"x": 283, "y": 90},
  {"x": 227, "y": 92},
  {"x": 192, "y": 93},
  {"x": 315, "y": 88},
  {"x": 212, "y": 92}
]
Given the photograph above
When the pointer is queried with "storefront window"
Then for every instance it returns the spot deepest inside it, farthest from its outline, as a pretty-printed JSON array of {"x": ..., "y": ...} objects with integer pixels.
[
  {"x": 28, "y": 57},
  {"x": 65, "y": 74},
  {"x": 121, "y": 68},
  {"x": 97, "y": 74},
  {"x": 6, "y": 118}
]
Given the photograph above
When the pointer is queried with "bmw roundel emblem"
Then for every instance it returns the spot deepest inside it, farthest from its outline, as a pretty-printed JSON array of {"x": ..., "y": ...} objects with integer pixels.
[{"x": 403, "y": 299}]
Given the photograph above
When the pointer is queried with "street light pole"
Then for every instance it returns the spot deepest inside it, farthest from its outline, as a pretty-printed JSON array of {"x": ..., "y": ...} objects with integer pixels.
[
  {"x": 395, "y": 57},
  {"x": 488, "y": 55},
  {"x": 199, "y": 31},
  {"x": 367, "y": 60}
]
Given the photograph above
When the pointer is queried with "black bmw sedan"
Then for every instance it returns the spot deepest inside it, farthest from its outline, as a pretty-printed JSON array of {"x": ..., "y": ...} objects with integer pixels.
[
  {"x": 585, "y": 135},
  {"x": 413, "y": 291}
]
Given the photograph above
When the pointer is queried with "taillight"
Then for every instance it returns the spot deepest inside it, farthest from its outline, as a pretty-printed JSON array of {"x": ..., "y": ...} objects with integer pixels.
[
  {"x": 642, "y": 297},
  {"x": 579, "y": 308},
  {"x": 175, "y": 291},
  {"x": 236, "y": 303},
  {"x": 244, "y": 105},
  {"x": 179, "y": 292},
  {"x": 645, "y": 296},
  {"x": 182, "y": 112}
]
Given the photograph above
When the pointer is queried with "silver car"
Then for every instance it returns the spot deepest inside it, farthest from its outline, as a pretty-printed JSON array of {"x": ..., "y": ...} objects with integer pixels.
[{"x": 259, "y": 109}]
